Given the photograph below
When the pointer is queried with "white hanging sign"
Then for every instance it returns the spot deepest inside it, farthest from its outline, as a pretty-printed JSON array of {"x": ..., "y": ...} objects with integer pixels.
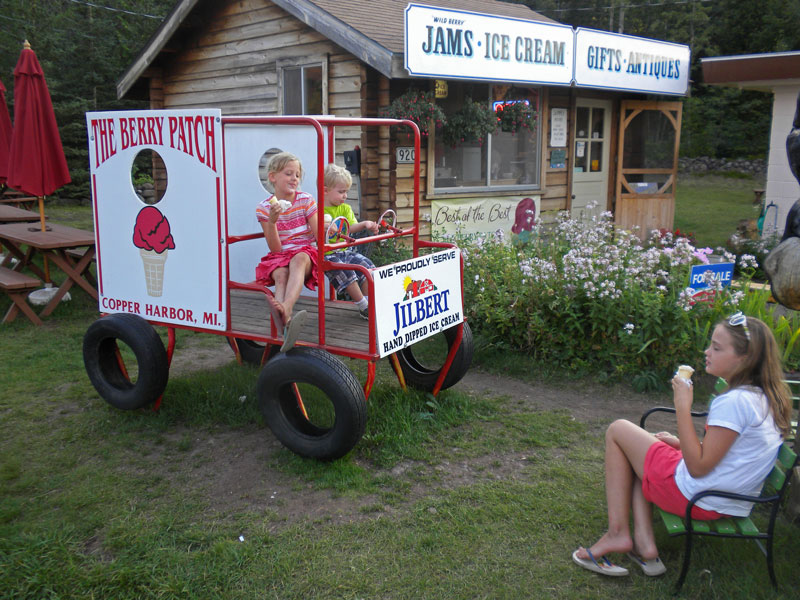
[
  {"x": 624, "y": 62},
  {"x": 456, "y": 44}
]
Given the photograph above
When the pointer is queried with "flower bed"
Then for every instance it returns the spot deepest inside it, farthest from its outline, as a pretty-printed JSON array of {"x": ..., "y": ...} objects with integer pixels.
[{"x": 591, "y": 297}]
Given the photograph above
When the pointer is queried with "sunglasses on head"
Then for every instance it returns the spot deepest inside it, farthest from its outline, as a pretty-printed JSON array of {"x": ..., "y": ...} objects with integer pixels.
[{"x": 739, "y": 319}]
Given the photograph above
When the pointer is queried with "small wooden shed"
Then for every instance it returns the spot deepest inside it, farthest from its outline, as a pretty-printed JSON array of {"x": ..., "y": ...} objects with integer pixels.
[{"x": 593, "y": 144}]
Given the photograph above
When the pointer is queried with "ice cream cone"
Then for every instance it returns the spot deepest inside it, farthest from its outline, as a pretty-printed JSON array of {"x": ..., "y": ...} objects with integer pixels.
[
  {"x": 153, "y": 263},
  {"x": 686, "y": 372}
]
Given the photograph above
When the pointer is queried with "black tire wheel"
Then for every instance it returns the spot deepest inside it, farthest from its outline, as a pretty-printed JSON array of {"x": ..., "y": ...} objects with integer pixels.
[
  {"x": 252, "y": 352},
  {"x": 422, "y": 362},
  {"x": 125, "y": 384},
  {"x": 312, "y": 403}
]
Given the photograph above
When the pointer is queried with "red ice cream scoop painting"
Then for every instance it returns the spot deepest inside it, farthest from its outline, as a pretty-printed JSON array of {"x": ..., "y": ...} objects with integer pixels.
[{"x": 153, "y": 238}]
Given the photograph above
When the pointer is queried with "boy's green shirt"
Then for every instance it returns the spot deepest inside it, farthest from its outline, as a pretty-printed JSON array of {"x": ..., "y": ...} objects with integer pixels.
[{"x": 343, "y": 210}]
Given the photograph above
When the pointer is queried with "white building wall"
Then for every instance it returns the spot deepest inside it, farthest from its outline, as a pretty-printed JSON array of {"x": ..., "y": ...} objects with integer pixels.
[{"x": 782, "y": 188}]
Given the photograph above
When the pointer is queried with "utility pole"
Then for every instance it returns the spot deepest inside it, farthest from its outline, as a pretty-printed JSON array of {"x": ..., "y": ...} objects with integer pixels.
[{"x": 611, "y": 16}]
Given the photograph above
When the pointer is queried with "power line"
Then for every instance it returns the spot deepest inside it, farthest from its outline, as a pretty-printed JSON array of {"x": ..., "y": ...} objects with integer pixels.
[
  {"x": 120, "y": 10},
  {"x": 649, "y": 4}
]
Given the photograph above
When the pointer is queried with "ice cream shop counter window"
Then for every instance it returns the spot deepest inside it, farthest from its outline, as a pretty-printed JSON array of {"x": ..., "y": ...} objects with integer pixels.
[{"x": 490, "y": 139}]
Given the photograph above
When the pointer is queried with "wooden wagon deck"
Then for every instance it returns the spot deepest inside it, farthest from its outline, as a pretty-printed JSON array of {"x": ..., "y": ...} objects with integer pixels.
[{"x": 344, "y": 327}]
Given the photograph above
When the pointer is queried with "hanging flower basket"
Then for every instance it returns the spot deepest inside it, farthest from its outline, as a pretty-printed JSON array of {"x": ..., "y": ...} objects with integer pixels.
[
  {"x": 516, "y": 116},
  {"x": 417, "y": 106},
  {"x": 471, "y": 123}
]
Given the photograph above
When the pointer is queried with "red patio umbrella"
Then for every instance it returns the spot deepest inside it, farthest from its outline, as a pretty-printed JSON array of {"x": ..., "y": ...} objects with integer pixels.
[
  {"x": 5, "y": 134},
  {"x": 36, "y": 162}
]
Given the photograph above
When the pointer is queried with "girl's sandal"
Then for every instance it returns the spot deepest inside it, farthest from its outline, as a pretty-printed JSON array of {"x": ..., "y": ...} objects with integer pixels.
[{"x": 292, "y": 330}]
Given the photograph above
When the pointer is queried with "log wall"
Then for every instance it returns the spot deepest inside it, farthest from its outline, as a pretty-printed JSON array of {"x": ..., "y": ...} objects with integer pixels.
[{"x": 232, "y": 62}]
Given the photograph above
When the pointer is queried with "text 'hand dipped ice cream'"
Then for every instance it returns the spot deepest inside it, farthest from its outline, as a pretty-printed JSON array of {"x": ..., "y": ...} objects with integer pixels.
[{"x": 153, "y": 238}]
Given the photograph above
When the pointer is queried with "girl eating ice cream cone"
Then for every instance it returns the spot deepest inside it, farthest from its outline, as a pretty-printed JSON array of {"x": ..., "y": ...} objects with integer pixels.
[{"x": 291, "y": 237}]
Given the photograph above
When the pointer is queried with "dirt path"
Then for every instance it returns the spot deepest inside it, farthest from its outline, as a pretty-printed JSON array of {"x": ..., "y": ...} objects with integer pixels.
[{"x": 232, "y": 469}]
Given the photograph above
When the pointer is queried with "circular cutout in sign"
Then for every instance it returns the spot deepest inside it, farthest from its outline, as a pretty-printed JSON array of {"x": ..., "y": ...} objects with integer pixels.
[{"x": 149, "y": 176}]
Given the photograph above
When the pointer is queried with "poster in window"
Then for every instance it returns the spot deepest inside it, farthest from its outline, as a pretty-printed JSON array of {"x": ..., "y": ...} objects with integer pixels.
[{"x": 558, "y": 127}]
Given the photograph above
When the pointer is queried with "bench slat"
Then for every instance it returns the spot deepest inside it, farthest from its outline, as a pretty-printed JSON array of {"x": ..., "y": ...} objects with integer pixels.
[
  {"x": 13, "y": 280},
  {"x": 728, "y": 526},
  {"x": 724, "y": 526},
  {"x": 746, "y": 526}
]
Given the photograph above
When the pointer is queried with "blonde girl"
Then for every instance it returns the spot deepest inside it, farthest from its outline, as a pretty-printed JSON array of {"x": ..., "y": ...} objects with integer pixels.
[
  {"x": 291, "y": 236},
  {"x": 744, "y": 430}
]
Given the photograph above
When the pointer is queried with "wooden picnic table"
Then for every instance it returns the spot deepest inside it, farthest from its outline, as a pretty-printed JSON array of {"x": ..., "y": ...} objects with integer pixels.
[
  {"x": 53, "y": 245},
  {"x": 12, "y": 214}
]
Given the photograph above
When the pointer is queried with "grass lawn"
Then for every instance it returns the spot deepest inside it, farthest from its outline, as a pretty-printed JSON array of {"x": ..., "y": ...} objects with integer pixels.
[
  {"x": 455, "y": 497},
  {"x": 711, "y": 206}
]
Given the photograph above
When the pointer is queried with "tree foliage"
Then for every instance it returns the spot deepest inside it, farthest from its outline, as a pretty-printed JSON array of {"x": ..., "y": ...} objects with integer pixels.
[
  {"x": 83, "y": 47},
  {"x": 717, "y": 121}
]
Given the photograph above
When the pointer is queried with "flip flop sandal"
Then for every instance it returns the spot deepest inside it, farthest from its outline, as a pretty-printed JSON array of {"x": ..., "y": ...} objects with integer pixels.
[
  {"x": 292, "y": 330},
  {"x": 604, "y": 567},
  {"x": 652, "y": 567}
]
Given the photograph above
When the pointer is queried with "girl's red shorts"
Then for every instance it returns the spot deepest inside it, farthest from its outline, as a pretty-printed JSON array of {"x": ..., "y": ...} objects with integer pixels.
[{"x": 659, "y": 487}]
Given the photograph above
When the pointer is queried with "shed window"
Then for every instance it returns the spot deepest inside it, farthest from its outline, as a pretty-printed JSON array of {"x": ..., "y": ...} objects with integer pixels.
[
  {"x": 302, "y": 90},
  {"x": 504, "y": 160}
]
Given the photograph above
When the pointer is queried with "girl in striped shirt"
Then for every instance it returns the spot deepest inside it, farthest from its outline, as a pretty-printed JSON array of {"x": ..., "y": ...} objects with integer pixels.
[{"x": 289, "y": 221}]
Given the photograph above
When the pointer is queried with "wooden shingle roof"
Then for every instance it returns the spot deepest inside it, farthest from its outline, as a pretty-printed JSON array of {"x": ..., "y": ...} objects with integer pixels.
[
  {"x": 383, "y": 20},
  {"x": 372, "y": 30}
]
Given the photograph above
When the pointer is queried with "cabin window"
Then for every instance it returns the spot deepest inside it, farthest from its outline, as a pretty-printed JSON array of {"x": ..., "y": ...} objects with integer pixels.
[
  {"x": 505, "y": 159},
  {"x": 302, "y": 90}
]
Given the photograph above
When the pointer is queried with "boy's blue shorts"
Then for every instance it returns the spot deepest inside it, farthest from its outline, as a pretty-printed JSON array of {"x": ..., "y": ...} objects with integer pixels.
[{"x": 341, "y": 278}]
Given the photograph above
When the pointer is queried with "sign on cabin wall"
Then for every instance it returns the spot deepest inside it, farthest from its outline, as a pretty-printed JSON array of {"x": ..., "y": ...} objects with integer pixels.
[
  {"x": 624, "y": 62},
  {"x": 511, "y": 214},
  {"x": 458, "y": 44}
]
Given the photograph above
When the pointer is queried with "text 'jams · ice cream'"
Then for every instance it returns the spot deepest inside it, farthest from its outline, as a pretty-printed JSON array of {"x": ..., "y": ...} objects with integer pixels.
[{"x": 153, "y": 238}]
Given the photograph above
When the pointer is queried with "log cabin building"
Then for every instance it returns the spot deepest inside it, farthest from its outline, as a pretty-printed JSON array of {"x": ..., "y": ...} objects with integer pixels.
[{"x": 598, "y": 134}]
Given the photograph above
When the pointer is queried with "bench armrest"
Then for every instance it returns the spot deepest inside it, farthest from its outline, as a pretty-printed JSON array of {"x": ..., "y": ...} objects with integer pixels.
[
  {"x": 721, "y": 494},
  {"x": 668, "y": 409}
]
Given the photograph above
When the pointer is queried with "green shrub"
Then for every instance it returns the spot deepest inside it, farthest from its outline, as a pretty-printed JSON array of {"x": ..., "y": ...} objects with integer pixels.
[{"x": 591, "y": 297}]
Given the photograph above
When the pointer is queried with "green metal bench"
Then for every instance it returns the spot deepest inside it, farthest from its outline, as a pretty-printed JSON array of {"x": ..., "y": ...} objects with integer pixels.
[{"x": 775, "y": 487}]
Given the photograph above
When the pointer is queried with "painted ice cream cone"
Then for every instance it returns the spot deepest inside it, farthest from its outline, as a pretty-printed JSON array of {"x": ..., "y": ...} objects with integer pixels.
[
  {"x": 153, "y": 264},
  {"x": 153, "y": 238}
]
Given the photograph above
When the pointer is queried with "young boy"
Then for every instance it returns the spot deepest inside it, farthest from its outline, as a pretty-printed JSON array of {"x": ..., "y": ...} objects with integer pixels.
[{"x": 337, "y": 182}]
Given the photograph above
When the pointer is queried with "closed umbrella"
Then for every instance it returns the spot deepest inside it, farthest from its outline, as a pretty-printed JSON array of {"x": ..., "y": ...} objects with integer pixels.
[
  {"x": 36, "y": 164},
  {"x": 5, "y": 139},
  {"x": 5, "y": 134}
]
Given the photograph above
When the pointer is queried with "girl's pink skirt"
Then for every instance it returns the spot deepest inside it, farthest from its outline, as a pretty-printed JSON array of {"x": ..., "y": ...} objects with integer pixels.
[{"x": 275, "y": 260}]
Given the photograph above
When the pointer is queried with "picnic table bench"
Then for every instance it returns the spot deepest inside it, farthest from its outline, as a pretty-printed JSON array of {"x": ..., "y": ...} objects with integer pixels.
[
  {"x": 25, "y": 202},
  {"x": 16, "y": 286}
]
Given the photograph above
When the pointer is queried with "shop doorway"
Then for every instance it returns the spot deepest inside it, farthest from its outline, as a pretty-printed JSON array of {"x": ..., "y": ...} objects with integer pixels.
[
  {"x": 590, "y": 152},
  {"x": 649, "y": 135}
]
